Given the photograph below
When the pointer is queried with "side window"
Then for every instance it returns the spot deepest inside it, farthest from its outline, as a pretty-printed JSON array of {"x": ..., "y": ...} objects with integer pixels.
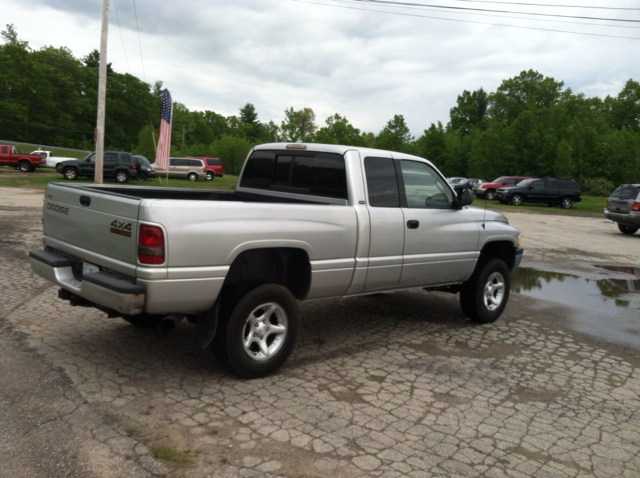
[
  {"x": 92, "y": 158},
  {"x": 511, "y": 182},
  {"x": 111, "y": 157},
  {"x": 125, "y": 158},
  {"x": 424, "y": 188},
  {"x": 537, "y": 185},
  {"x": 5, "y": 150},
  {"x": 322, "y": 175},
  {"x": 382, "y": 182},
  {"x": 258, "y": 172}
]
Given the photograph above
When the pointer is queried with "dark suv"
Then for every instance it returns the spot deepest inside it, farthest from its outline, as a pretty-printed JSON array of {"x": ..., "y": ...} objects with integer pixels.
[
  {"x": 549, "y": 191},
  {"x": 623, "y": 207},
  {"x": 118, "y": 165}
]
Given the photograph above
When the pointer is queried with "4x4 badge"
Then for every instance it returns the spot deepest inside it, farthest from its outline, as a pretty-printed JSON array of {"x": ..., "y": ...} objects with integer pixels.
[{"x": 121, "y": 228}]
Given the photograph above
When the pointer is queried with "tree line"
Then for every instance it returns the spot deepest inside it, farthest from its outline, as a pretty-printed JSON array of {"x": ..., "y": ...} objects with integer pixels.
[{"x": 531, "y": 125}]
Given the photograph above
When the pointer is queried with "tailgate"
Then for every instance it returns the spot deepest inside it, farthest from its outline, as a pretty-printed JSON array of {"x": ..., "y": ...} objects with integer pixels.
[{"x": 96, "y": 226}]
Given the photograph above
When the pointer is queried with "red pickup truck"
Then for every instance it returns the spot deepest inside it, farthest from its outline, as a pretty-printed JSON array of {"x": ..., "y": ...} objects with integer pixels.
[{"x": 26, "y": 163}]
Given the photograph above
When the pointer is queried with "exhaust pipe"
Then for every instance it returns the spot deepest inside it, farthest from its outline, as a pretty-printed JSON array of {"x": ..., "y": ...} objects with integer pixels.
[{"x": 169, "y": 322}]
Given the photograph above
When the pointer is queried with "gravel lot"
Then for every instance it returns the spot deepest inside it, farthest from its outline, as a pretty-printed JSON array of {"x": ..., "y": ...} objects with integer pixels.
[{"x": 391, "y": 385}]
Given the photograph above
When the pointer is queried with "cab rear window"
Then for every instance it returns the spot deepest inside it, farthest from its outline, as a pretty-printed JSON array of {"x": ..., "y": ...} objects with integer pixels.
[{"x": 309, "y": 173}]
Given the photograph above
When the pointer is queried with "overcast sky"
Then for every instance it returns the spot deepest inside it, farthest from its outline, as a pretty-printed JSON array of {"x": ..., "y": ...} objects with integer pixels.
[{"x": 342, "y": 56}]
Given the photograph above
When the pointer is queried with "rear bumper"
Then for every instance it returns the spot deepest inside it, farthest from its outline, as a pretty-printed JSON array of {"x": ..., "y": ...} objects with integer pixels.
[
  {"x": 99, "y": 288},
  {"x": 632, "y": 219}
]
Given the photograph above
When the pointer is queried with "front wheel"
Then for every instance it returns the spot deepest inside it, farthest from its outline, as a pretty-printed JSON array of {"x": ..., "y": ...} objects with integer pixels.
[
  {"x": 210, "y": 175},
  {"x": 485, "y": 295},
  {"x": 258, "y": 332},
  {"x": 490, "y": 194},
  {"x": 25, "y": 166},
  {"x": 192, "y": 177},
  {"x": 566, "y": 203},
  {"x": 141, "y": 176},
  {"x": 627, "y": 229},
  {"x": 122, "y": 176},
  {"x": 516, "y": 200}
]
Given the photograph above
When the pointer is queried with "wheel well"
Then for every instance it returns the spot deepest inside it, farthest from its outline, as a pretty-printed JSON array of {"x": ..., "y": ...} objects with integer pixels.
[
  {"x": 285, "y": 266},
  {"x": 502, "y": 250}
]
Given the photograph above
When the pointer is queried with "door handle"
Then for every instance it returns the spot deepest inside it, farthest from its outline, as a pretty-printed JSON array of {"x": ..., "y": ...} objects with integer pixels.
[{"x": 413, "y": 224}]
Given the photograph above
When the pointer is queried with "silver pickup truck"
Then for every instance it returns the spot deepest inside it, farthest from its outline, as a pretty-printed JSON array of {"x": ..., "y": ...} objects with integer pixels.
[{"x": 306, "y": 221}]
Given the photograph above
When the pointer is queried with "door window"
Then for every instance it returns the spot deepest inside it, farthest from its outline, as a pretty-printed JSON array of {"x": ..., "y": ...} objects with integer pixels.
[
  {"x": 424, "y": 188},
  {"x": 382, "y": 183},
  {"x": 537, "y": 186}
]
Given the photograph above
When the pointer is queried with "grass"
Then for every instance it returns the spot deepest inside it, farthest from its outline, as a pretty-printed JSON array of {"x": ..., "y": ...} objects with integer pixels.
[
  {"x": 39, "y": 179},
  {"x": 174, "y": 456}
]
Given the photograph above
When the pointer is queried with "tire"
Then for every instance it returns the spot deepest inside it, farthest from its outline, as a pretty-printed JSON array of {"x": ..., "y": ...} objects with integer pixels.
[
  {"x": 210, "y": 175},
  {"x": 485, "y": 295},
  {"x": 70, "y": 174},
  {"x": 25, "y": 166},
  {"x": 516, "y": 200},
  {"x": 270, "y": 310},
  {"x": 141, "y": 176},
  {"x": 122, "y": 176},
  {"x": 566, "y": 203},
  {"x": 192, "y": 177},
  {"x": 490, "y": 194},
  {"x": 627, "y": 229},
  {"x": 144, "y": 321}
]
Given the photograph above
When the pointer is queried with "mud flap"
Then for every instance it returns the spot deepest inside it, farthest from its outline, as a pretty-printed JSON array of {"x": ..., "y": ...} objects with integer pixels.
[{"x": 207, "y": 325}]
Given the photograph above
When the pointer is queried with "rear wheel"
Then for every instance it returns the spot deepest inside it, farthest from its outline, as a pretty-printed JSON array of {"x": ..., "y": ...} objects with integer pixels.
[
  {"x": 70, "y": 174},
  {"x": 485, "y": 295},
  {"x": 626, "y": 229},
  {"x": 566, "y": 203},
  {"x": 25, "y": 166},
  {"x": 516, "y": 200},
  {"x": 122, "y": 176},
  {"x": 192, "y": 177},
  {"x": 490, "y": 194},
  {"x": 258, "y": 331}
]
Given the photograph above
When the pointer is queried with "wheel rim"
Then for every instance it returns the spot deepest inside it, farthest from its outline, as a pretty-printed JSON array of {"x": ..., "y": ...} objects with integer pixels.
[
  {"x": 209, "y": 176},
  {"x": 566, "y": 203},
  {"x": 494, "y": 291},
  {"x": 70, "y": 174},
  {"x": 516, "y": 200},
  {"x": 192, "y": 177},
  {"x": 264, "y": 331},
  {"x": 24, "y": 167},
  {"x": 121, "y": 177},
  {"x": 490, "y": 195}
]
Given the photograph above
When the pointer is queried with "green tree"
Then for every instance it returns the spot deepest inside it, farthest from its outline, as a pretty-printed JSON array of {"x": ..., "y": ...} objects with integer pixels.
[
  {"x": 395, "y": 136},
  {"x": 298, "y": 125},
  {"x": 470, "y": 111},
  {"x": 626, "y": 109},
  {"x": 338, "y": 130},
  {"x": 249, "y": 116},
  {"x": 92, "y": 60}
]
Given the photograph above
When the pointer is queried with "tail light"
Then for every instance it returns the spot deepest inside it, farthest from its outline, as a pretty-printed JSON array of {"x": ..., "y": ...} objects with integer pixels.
[
  {"x": 636, "y": 206},
  {"x": 151, "y": 245},
  {"x": 134, "y": 166}
]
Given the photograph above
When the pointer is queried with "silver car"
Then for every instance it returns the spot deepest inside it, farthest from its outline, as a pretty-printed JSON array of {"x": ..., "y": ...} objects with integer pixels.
[
  {"x": 183, "y": 168},
  {"x": 623, "y": 207}
]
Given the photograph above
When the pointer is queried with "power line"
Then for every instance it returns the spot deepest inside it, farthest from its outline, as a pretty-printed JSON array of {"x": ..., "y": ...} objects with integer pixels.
[
  {"x": 135, "y": 11},
  {"x": 443, "y": 7},
  {"x": 124, "y": 50},
  {"x": 466, "y": 21},
  {"x": 547, "y": 5}
]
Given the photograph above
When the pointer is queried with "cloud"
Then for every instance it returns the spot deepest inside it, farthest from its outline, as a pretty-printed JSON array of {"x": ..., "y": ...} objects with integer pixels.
[{"x": 219, "y": 55}]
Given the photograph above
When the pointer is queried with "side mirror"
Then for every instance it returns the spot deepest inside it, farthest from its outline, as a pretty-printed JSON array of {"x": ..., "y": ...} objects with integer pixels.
[{"x": 465, "y": 197}]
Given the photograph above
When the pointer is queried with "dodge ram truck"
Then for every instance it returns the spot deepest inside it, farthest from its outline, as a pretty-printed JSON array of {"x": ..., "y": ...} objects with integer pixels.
[{"x": 306, "y": 221}]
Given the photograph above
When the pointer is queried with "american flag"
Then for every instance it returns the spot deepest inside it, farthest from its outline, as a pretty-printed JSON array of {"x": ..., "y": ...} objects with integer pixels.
[{"x": 164, "y": 138}]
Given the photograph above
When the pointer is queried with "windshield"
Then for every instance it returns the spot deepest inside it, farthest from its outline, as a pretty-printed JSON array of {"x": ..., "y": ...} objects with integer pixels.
[
  {"x": 524, "y": 183},
  {"x": 499, "y": 180}
]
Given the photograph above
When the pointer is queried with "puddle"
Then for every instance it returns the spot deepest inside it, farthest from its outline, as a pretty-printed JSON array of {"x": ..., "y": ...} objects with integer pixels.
[
  {"x": 604, "y": 295},
  {"x": 608, "y": 308}
]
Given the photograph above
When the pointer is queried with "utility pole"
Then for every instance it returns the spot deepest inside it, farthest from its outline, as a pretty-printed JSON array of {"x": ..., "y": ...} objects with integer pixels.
[{"x": 102, "y": 93}]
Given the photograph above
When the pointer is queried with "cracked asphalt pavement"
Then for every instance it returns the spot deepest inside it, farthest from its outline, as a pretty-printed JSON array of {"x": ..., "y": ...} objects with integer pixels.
[{"x": 388, "y": 385}]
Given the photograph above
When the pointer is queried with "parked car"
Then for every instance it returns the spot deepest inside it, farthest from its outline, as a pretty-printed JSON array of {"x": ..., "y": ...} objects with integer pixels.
[
  {"x": 455, "y": 180},
  {"x": 623, "y": 207},
  {"x": 488, "y": 190},
  {"x": 51, "y": 161},
  {"x": 214, "y": 167},
  {"x": 184, "y": 168},
  {"x": 142, "y": 168},
  {"x": 467, "y": 184},
  {"x": 27, "y": 163},
  {"x": 551, "y": 191},
  {"x": 118, "y": 165}
]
